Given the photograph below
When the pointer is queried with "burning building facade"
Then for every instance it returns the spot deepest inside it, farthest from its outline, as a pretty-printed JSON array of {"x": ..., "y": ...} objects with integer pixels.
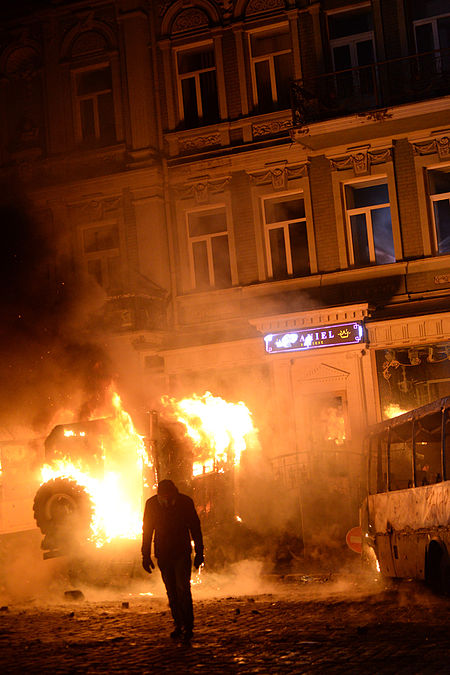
[{"x": 260, "y": 190}]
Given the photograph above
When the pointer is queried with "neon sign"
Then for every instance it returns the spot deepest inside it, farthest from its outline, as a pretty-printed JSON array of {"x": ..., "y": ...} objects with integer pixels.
[{"x": 315, "y": 338}]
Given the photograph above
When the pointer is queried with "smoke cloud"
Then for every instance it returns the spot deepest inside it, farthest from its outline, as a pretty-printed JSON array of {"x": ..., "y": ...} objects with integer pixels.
[{"x": 49, "y": 360}]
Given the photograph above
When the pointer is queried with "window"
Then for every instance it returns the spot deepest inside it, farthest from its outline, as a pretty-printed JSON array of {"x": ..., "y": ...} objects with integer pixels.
[
  {"x": 432, "y": 32},
  {"x": 197, "y": 86},
  {"x": 95, "y": 105},
  {"x": 208, "y": 248},
  {"x": 439, "y": 190},
  {"x": 369, "y": 223},
  {"x": 401, "y": 457},
  {"x": 286, "y": 236},
  {"x": 271, "y": 62},
  {"x": 428, "y": 435},
  {"x": 353, "y": 50},
  {"x": 101, "y": 248}
]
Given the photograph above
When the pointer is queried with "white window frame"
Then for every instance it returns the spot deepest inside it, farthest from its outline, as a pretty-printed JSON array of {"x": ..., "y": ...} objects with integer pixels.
[
  {"x": 441, "y": 196},
  {"x": 367, "y": 211},
  {"x": 433, "y": 20},
  {"x": 283, "y": 224},
  {"x": 267, "y": 57},
  {"x": 208, "y": 238},
  {"x": 77, "y": 100},
  {"x": 196, "y": 75},
  {"x": 104, "y": 254}
]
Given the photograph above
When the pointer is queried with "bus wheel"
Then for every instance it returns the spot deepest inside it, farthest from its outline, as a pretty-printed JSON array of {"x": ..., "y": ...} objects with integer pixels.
[{"x": 63, "y": 510}]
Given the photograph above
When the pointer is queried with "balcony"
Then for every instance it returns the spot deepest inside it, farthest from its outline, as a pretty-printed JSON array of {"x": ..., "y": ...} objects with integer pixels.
[{"x": 372, "y": 87}]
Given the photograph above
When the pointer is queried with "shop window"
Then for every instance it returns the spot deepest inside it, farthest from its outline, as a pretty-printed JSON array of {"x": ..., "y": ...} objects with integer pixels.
[
  {"x": 439, "y": 190},
  {"x": 286, "y": 236},
  {"x": 271, "y": 64},
  {"x": 95, "y": 105},
  {"x": 353, "y": 50},
  {"x": 369, "y": 224},
  {"x": 400, "y": 457},
  {"x": 209, "y": 249},
  {"x": 428, "y": 434},
  {"x": 101, "y": 249},
  {"x": 197, "y": 86},
  {"x": 432, "y": 34}
]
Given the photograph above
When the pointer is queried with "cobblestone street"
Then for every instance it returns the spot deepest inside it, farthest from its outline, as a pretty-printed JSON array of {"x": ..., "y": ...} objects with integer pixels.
[{"x": 309, "y": 624}]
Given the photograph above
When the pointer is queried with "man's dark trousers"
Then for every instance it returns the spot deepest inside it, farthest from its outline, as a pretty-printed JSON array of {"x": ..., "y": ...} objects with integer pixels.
[{"x": 176, "y": 575}]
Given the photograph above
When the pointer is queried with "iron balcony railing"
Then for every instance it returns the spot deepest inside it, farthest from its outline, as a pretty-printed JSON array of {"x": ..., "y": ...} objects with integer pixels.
[{"x": 372, "y": 87}]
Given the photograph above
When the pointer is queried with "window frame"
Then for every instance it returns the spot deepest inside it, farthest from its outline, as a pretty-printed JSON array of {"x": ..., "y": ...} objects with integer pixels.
[
  {"x": 258, "y": 59},
  {"x": 441, "y": 196},
  {"x": 76, "y": 98},
  {"x": 433, "y": 20},
  {"x": 196, "y": 75},
  {"x": 375, "y": 179},
  {"x": 103, "y": 254},
  {"x": 284, "y": 224},
  {"x": 208, "y": 237}
]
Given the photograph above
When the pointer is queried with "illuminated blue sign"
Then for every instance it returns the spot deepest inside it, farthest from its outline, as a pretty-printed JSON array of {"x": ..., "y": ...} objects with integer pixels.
[{"x": 315, "y": 338}]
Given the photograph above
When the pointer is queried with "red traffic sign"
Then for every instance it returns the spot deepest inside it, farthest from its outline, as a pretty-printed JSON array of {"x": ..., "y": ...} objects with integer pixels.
[{"x": 353, "y": 539}]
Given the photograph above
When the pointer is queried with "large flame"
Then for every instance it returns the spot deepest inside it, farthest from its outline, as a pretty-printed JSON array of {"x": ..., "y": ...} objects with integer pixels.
[
  {"x": 117, "y": 494},
  {"x": 219, "y": 430},
  {"x": 393, "y": 410}
]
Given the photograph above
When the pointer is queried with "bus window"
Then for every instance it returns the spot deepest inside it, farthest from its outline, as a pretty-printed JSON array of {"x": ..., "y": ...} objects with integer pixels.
[
  {"x": 378, "y": 463},
  {"x": 427, "y": 432},
  {"x": 446, "y": 445},
  {"x": 400, "y": 457}
]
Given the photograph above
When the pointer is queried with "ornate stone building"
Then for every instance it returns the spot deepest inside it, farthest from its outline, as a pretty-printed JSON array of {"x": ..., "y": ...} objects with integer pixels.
[{"x": 262, "y": 189}]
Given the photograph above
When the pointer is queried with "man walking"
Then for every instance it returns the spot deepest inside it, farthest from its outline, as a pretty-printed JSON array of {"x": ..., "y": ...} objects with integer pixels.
[{"x": 172, "y": 518}]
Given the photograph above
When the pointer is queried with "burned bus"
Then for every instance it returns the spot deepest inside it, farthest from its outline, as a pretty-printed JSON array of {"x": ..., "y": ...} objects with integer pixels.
[{"x": 405, "y": 517}]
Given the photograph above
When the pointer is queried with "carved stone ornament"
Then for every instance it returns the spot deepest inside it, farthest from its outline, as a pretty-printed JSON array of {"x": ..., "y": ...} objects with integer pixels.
[
  {"x": 95, "y": 209},
  {"x": 198, "y": 142},
  {"x": 278, "y": 176},
  {"x": 256, "y": 6},
  {"x": 189, "y": 19},
  {"x": 361, "y": 161},
  {"x": 441, "y": 146},
  {"x": 270, "y": 128},
  {"x": 202, "y": 190}
]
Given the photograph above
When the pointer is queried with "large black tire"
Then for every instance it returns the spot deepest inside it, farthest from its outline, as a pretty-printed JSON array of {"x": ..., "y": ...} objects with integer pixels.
[{"x": 62, "y": 504}]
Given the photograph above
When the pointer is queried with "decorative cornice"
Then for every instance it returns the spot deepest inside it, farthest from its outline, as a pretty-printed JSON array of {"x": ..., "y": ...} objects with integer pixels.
[
  {"x": 201, "y": 190},
  {"x": 271, "y": 127},
  {"x": 361, "y": 161},
  {"x": 441, "y": 146},
  {"x": 198, "y": 142},
  {"x": 278, "y": 176},
  {"x": 311, "y": 318}
]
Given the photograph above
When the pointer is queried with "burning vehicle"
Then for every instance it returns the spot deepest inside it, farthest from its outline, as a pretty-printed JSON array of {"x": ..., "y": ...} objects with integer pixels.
[{"x": 97, "y": 474}]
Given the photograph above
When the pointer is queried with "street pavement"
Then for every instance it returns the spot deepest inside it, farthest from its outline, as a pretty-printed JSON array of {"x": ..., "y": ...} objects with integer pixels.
[{"x": 245, "y": 623}]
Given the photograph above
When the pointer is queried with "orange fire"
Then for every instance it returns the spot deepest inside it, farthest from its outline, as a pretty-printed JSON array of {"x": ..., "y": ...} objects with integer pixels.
[
  {"x": 117, "y": 494},
  {"x": 219, "y": 430},
  {"x": 393, "y": 410}
]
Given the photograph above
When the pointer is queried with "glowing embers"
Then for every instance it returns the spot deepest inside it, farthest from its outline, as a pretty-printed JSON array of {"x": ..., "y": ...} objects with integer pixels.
[
  {"x": 219, "y": 430},
  {"x": 116, "y": 489}
]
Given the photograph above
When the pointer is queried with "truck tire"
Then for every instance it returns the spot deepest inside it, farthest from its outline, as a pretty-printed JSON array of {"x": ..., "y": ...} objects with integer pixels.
[{"x": 61, "y": 504}]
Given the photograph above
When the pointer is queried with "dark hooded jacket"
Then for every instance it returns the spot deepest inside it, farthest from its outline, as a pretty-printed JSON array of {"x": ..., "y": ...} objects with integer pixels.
[{"x": 173, "y": 526}]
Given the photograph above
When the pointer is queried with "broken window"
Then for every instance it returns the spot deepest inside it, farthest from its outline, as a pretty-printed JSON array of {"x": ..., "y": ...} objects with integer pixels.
[
  {"x": 286, "y": 236},
  {"x": 401, "y": 457},
  {"x": 197, "y": 86},
  {"x": 439, "y": 190},
  {"x": 209, "y": 248},
  {"x": 95, "y": 105},
  {"x": 428, "y": 436},
  {"x": 271, "y": 61},
  {"x": 378, "y": 463},
  {"x": 369, "y": 223}
]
